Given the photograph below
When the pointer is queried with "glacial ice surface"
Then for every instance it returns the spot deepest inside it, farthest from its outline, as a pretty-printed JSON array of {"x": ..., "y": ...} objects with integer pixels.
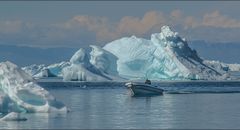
[{"x": 23, "y": 94}]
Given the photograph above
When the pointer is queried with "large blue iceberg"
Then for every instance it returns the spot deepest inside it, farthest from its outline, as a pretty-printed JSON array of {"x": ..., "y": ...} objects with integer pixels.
[{"x": 165, "y": 56}]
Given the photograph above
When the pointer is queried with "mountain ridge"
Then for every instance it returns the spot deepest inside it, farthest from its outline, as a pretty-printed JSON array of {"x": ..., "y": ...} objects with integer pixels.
[{"x": 24, "y": 55}]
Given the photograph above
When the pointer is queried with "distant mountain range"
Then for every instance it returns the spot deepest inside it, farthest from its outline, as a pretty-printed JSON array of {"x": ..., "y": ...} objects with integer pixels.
[
  {"x": 225, "y": 52},
  {"x": 23, "y": 56}
]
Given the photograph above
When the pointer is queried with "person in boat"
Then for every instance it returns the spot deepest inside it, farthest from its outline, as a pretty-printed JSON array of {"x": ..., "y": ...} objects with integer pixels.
[{"x": 147, "y": 81}]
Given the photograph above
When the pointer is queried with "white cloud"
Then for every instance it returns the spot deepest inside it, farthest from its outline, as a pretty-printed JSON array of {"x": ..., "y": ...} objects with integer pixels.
[
  {"x": 106, "y": 30},
  {"x": 215, "y": 19},
  {"x": 140, "y": 26},
  {"x": 176, "y": 14},
  {"x": 85, "y": 29},
  {"x": 191, "y": 22},
  {"x": 8, "y": 27}
]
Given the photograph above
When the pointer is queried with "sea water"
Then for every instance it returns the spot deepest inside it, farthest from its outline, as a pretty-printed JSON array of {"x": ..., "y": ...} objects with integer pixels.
[{"x": 113, "y": 108}]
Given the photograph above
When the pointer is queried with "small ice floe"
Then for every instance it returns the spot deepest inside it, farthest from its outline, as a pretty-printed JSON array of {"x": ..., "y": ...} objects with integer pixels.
[
  {"x": 13, "y": 116},
  {"x": 24, "y": 93}
]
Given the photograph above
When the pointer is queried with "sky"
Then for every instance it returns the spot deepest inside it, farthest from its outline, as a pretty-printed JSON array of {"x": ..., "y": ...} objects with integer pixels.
[{"x": 49, "y": 24}]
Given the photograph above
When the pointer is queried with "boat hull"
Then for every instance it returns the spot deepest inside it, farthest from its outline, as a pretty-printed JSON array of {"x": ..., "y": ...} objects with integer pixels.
[{"x": 143, "y": 90}]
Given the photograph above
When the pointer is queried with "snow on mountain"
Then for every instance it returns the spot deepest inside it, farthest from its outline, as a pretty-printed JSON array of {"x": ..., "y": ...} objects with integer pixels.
[
  {"x": 23, "y": 93},
  {"x": 165, "y": 56}
]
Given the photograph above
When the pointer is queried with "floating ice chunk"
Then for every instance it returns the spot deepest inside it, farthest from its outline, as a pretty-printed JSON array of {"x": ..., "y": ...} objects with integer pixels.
[
  {"x": 13, "y": 116},
  {"x": 234, "y": 67},
  {"x": 165, "y": 56},
  {"x": 24, "y": 92},
  {"x": 33, "y": 69},
  {"x": 222, "y": 66},
  {"x": 40, "y": 70},
  {"x": 82, "y": 70}
]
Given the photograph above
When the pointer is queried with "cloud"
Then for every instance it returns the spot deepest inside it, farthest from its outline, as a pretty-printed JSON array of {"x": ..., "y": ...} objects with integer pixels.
[
  {"x": 140, "y": 26},
  {"x": 107, "y": 30},
  {"x": 215, "y": 19},
  {"x": 190, "y": 22},
  {"x": 100, "y": 26},
  {"x": 176, "y": 13},
  {"x": 82, "y": 30},
  {"x": 7, "y": 27},
  {"x": 211, "y": 19}
]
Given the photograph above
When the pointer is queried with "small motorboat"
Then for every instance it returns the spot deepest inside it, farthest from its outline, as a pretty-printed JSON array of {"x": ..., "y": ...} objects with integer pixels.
[{"x": 141, "y": 89}]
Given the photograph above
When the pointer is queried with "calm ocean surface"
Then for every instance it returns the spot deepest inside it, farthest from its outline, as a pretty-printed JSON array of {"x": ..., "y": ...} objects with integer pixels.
[{"x": 113, "y": 108}]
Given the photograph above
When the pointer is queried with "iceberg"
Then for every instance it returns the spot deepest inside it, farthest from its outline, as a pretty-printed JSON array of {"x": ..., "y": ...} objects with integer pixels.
[
  {"x": 33, "y": 69},
  {"x": 165, "y": 56},
  {"x": 234, "y": 67},
  {"x": 98, "y": 68},
  {"x": 45, "y": 73},
  {"x": 24, "y": 93},
  {"x": 56, "y": 69},
  {"x": 5, "y": 103},
  {"x": 42, "y": 70},
  {"x": 222, "y": 66},
  {"x": 103, "y": 60}
]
